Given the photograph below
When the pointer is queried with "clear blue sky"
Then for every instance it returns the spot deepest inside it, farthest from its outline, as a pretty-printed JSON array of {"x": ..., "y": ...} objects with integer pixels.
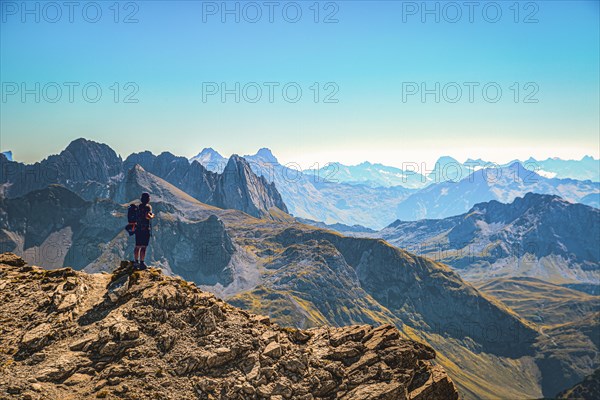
[{"x": 370, "y": 54}]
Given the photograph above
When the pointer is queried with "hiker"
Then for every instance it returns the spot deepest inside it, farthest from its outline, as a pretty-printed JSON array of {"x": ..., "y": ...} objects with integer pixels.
[{"x": 140, "y": 217}]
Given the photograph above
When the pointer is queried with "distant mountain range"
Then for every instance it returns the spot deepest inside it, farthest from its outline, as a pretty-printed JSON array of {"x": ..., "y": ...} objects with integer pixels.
[
  {"x": 504, "y": 184},
  {"x": 347, "y": 195},
  {"x": 416, "y": 176},
  {"x": 311, "y": 197},
  {"x": 541, "y": 236}
]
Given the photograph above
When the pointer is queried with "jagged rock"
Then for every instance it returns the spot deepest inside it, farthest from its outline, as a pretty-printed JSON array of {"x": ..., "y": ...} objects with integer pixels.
[
  {"x": 273, "y": 350},
  {"x": 434, "y": 388},
  {"x": 11, "y": 259},
  {"x": 36, "y": 338},
  {"x": 160, "y": 337},
  {"x": 68, "y": 303},
  {"x": 377, "y": 391},
  {"x": 237, "y": 187}
]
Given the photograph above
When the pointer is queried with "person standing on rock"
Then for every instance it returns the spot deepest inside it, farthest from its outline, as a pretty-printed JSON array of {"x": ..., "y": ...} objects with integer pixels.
[{"x": 143, "y": 231}]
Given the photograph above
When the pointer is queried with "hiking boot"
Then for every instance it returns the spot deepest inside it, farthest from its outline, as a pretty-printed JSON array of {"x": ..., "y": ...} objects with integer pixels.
[{"x": 142, "y": 266}]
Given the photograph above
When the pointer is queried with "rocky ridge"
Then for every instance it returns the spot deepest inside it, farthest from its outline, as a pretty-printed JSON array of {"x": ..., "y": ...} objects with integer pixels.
[
  {"x": 93, "y": 170},
  {"x": 540, "y": 236},
  {"x": 68, "y": 334}
]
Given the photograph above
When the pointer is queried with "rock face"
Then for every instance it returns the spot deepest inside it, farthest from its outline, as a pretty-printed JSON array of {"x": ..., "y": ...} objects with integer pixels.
[
  {"x": 84, "y": 166},
  {"x": 58, "y": 226},
  {"x": 145, "y": 335},
  {"x": 200, "y": 251},
  {"x": 93, "y": 170},
  {"x": 588, "y": 389},
  {"x": 237, "y": 187},
  {"x": 241, "y": 189}
]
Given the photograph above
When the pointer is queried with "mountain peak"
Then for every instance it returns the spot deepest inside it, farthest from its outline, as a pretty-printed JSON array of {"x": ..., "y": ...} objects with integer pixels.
[
  {"x": 8, "y": 155},
  {"x": 208, "y": 152},
  {"x": 242, "y": 189},
  {"x": 236, "y": 162},
  {"x": 265, "y": 154},
  {"x": 83, "y": 143},
  {"x": 446, "y": 160},
  {"x": 210, "y": 159}
]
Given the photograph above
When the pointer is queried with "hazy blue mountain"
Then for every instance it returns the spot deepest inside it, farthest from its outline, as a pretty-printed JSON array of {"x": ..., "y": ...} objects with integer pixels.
[
  {"x": 587, "y": 168},
  {"x": 264, "y": 155},
  {"x": 541, "y": 236},
  {"x": 346, "y": 194},
  {"x": 211, "y": 160},
  {"x": 448, "y": 168},
  {"x": 308, "y": 196},
  {"x": 8, "y": 155},
  {"x": 504, "y": 184},
  {"x": 373, "y": 175},
  {"x": 584, "y": 169}
]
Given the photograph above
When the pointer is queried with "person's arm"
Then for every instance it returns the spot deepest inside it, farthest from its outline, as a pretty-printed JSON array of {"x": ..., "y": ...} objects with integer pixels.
[{"x": 150, "y": 214}]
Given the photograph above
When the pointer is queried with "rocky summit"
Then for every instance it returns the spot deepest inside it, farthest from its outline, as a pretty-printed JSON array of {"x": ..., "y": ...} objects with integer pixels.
[{"x": 66, "y": 334}]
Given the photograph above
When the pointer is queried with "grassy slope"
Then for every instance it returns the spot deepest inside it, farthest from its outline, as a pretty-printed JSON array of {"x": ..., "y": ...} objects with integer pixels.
[{"x": 541, "y": 302}]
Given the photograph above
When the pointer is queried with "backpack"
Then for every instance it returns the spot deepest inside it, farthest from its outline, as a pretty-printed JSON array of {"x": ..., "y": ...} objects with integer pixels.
[
  {"x": 132, "y": 213},
  {"x": 133, "y": 217}
]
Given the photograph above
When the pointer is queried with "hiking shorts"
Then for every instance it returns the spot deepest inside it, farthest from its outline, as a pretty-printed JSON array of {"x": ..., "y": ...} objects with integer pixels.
[{"x": 142, "y": 238}]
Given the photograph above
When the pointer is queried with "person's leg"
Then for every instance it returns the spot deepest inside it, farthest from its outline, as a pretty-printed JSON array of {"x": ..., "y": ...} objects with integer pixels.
[{"x": 142, "y": 253}]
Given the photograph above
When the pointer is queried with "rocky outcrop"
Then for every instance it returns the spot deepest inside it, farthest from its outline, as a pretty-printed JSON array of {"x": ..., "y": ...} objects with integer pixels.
[
  {"x": 93, "y": 170},
  {"x": 192, "y": 178},
  {"x": 236, "y": 188},
  {"x": 197, "y": 251},
  {"x": 84, "y": 166},
  {"x": 588, "y": 389},
  {"x": 241, "y": 189},
  {"x": 70, "y": 334}
]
